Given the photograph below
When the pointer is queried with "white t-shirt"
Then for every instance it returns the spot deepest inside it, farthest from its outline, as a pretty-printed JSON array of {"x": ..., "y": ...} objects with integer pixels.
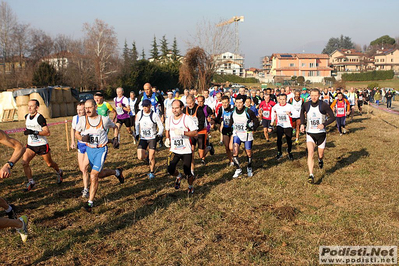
[
  {"x": 131, "y": 104},
  {"x": 279, "y": 114},
  {"x": 240, "y": 122},
  {"x": 179, "y": 143},
  {"x": 168, "y": 107}
]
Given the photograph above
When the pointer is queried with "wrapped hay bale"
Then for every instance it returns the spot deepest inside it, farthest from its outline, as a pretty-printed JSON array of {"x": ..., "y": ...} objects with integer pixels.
[
  {"x": 67, "y": 95},
  {"x": 45, "y": 111},
  {"x": 63, "y": 110},
  {"x": 55, "y": 107},
  {"x": 37, "y": 96},
  {"x": 22, "y": 111},
  {"x": 58, "y": 95},
  {"x": 71, "y": 109},
  {"x": 22, "y": 100}
]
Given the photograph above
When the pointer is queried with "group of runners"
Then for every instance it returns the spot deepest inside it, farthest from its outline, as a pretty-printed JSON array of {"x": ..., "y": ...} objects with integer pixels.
[{"x": 186, "y": 122}]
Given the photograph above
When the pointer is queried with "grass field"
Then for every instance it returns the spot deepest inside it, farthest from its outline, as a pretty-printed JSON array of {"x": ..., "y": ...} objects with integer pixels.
[{"x": 273, "y": 218}]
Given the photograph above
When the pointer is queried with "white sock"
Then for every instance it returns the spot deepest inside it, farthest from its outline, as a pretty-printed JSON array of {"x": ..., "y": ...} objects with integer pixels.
[
  {"x": 9, "y": 209},
  {"x": 90, "y": 202},
  {"x": 31, "y": 181}
]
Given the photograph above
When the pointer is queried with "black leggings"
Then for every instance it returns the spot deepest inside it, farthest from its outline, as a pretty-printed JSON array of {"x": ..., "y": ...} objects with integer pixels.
[
  {"x": 186, "y": 158},
  {"x": 288, "y": 136},
  {"x": 340, "y": 123}
]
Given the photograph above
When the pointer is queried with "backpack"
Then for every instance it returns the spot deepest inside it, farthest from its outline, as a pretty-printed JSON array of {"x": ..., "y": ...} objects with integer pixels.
[{"x": 142, "y": 113}]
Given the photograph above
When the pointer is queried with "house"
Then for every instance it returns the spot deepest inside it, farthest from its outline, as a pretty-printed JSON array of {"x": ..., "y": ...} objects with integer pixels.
[
  {"x": 251, "y": 72},
  {"x": 58, "y": 60},
  {"x": 313, "y": 67},
  {"x": 387, "y": 60},
  {"x": 346, "y": 60},
  {"x": 229, "y": 63},
  {"x": 267, "y": 64}
]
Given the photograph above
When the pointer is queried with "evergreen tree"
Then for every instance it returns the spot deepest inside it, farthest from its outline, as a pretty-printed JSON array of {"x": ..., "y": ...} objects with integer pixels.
[
  {"x": 134, "y": 54},
  {"x": 343, "y": 42},
  {"x": 154, "y": 50},
  {"x": 126, "y": 58},
  {"x": 142, "y": 54},
  {"x": 45, "y": 75},
  {"x": 164, "y": 47},
  {"x": 175, "y": 50}
]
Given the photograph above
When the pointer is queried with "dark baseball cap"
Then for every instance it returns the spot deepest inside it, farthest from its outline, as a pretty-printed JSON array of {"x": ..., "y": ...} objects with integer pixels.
[{"x": 146, "y": 102}]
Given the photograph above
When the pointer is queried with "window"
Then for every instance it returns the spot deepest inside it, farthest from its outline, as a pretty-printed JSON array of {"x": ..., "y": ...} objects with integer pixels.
[
  {"x": 318, "y": 73},
  {"x": 224, "y": 56},
  {"x": 311, "y": 73},
  {"x": 391, "y": 60},
  {"x": 311, "y": 65},
  {"x": 231, "y": 56},
  {"x": 382, "y": 60},
  {"x": 317, "y": 64},
  {"x": 292, "y": 65},
  {"x": 303, "y": 64}
]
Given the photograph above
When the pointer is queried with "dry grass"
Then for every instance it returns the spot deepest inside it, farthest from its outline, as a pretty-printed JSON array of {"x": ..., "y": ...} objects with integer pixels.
[{"x": 273, "y": 218}]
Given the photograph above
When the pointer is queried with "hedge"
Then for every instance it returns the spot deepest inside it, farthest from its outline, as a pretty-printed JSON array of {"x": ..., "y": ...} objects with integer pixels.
[
  {"x": 233, "y": 79},
  {"x": 366, "y": 76}
]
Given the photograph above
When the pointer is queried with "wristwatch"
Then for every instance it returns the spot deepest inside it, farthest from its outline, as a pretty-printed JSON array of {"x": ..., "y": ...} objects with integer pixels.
[{"x": 11, "y": 164}]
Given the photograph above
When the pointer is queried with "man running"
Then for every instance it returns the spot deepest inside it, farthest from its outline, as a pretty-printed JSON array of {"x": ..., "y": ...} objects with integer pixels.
[
  {"x": 122, "y": 108},
  {"x": 179, "y": 129},
  {"x": 132, "y": 114},
  {"x": 244, "y": 123},
  {"x": 313, "y": 115},
  {"x": 352, "y": 98},
  {"x": 92, "y": 129},
  {"x": 297, "y": 103},
  {"x": 168, "y": 104},
  {"x": 265, "y": 111},
  {"x": 282, "y": 116},
  {"x": 200, "y": 119},
  {"x": 103, "y": 107},
  {"x": 341, "y": 107},
  {"x": 83, "y": 161},
  {"x": 37, "y": 130},
  {"x": 147, "y": 122},
  {"x": 224, "y": 117},
  {"x": 21, "y": 224}
]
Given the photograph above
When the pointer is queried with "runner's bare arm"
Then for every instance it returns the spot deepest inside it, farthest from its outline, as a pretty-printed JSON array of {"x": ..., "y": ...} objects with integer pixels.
[
  {"x": 45, "y": 131},
  {"x": 17, "y": 154},
  {"x": 73, "y": 144},
  {"x": 191, "y": 133}
]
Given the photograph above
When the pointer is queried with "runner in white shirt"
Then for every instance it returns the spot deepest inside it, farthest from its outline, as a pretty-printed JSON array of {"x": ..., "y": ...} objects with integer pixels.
[
  {"x": 313, "y": 115},
  {"x": 179, "y": 128},
  {"x": 297, "y": 103},
  {"x": 83, "y": 161},
  {"x": 244, "y": 123},
  {"x": 147, "y": 122},
  {"x": 282, "y": 116},
  {"x": 209, "y": 101},
  {"x": 122, "y": 108},
  {"x": 168, "y": 104},
  {"x": 132, "y": 103},
  {"x": 93, "y": 130},
  {"x": 37, "y": 130}
]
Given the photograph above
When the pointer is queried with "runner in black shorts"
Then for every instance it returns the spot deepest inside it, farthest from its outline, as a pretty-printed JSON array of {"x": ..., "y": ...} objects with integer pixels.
[
  {"x": 37, "y": 130},
  {"x": 224, "y": 116}
]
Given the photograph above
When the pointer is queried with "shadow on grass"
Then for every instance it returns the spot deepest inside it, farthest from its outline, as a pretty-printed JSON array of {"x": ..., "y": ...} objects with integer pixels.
[
  {"x": 343, "y": 162},
  {"x": 118, "y": 222}
]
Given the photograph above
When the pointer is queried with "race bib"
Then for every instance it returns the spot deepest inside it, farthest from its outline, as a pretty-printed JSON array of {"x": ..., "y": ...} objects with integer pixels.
[
  {"x": 266, "y": 113},
  {"x": 240, "y": 128},
  {"x": 34, "y": 138},
  {"x": 283, "y": 118},
  {"x": 119, "y": 110},
  {"x": 340, "y": 111},
  {"x": 314, "y": 123},
  {"x": 360, "y": 98},
  {"x": 146, "y": 133},
  {"x": 94, "y": 139},
  {"x": 178, "y": 142}
]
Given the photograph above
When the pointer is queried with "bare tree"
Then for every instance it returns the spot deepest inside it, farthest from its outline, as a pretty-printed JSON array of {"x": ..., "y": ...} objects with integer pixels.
[
  {"x": 62, "y": 43},
  {"x": 8, "y": 21},
  {"x": 41, "y": 45},
  {"x": 101, "y": 44}
]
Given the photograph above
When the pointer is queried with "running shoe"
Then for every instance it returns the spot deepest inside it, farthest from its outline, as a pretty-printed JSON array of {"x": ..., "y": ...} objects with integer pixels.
[
  {"x": 297, "y": 142},
  {"x": 290, "y": 156},
  {"x": 231, "y": 164},
  {"x": 88, "y": 206},
  {"x": 30, "y": 186},
  {"x": 134, "y": 140},
  {"x": 212, "y": 149},
  {"x": 60, "y": 175},
  {"x": 13, "y": 213},
  {"x": 151, "y": 176},
  {"x": 344, "y": 130},
  {"x": 178, "y": 181},
  {"x": 203, "y": 161},
  {"x": 268, "y": 140},
  {"x": 249, "y": 172},
  {"x": 24, "y": 230},
  {"x": 237, "y": 173},
  {"x": 279, "y": 156},
  {"x": 311, "y": 179},
  {"x": 221, "y": 143},
  {"x": 85, "y": 193},
  {"x": 190, "y": 190},
  {"x": 120, "y": 177},
  {"x": 321, "y": 164}
]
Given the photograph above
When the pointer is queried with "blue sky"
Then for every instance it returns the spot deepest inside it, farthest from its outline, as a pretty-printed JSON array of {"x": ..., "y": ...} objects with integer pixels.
[{"x": 269, "y": 26}]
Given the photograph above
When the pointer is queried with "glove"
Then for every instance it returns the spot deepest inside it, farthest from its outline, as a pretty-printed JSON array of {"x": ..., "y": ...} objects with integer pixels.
[
  {"x": 137, "y": 137},
  {"x": 250, "y": 126},
  {"x": 86, "y": 138},
  {"x": 115, "y": 143},
  {"x": 31, "y": 132},
  {"x": 158, "y": 138},
  {"x": 167, "y": 143}
]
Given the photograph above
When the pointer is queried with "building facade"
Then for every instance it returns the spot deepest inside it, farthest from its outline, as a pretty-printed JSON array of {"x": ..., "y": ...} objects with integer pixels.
[
  {"x": 387, "y": 60},
  {"x": 313, "y": 67},
  {"x": 230, "y": 64}
]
